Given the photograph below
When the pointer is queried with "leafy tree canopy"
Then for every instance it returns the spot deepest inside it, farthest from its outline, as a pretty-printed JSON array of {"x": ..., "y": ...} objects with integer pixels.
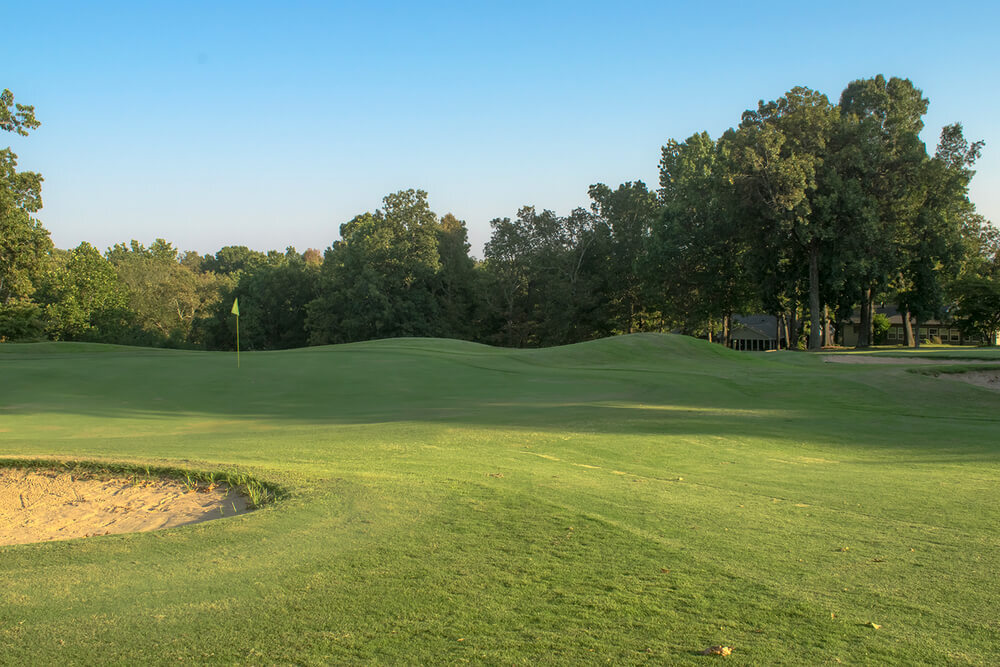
[{"x": 24, "y": 243}]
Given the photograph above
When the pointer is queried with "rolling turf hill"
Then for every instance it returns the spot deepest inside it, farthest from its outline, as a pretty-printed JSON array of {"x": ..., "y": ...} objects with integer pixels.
[{"x": 634, "y": 499}]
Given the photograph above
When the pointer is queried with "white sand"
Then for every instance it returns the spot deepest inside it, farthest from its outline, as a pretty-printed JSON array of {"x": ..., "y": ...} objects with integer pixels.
[{"x": 38, "y": 505}]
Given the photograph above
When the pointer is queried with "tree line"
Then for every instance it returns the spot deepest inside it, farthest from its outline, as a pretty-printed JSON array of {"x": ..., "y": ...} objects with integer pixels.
[{"x": 808, "y": 210}]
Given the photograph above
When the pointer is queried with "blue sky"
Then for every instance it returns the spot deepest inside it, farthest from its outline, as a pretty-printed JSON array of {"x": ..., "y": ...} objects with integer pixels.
[{"x": 270, "y": 124}]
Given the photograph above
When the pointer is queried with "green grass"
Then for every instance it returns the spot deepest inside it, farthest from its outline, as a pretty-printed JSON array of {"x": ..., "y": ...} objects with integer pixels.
[{"x": 627, "y": 500}]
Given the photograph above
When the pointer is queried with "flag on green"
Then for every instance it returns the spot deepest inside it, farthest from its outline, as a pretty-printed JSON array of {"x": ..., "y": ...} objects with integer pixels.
[{"x": 236, "y": 311}]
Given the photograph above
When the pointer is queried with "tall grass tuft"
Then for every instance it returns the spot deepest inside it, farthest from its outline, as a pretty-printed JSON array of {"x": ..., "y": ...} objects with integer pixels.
[{"x": 258, "y": 493}]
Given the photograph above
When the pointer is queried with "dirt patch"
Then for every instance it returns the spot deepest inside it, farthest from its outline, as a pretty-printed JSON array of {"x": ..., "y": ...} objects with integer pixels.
[
  {"x": 866, "y": 359},
  {"x": 42, "y": 505},
  {"x": 988, "y": 379}
]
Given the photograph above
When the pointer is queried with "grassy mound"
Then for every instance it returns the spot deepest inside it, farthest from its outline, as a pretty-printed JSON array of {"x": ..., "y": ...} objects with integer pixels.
[{"x": 632, "y": 499}]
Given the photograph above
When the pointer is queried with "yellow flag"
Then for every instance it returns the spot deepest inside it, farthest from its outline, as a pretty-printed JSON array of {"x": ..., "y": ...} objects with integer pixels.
[{"x": 236, "y": 311}]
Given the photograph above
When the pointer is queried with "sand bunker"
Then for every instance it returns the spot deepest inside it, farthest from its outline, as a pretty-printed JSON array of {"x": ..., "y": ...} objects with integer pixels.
[
  {"x": 985, "y": 378},
  {"x": 988, "y": 379},
  {"x": 41, "y": 505},
  {"x": 867, "y": 359}
]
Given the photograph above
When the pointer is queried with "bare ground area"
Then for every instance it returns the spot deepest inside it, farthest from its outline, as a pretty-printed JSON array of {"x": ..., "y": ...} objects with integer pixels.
[
  {"x": 913, "y": 361},
  {"x": 985, "y": 378},
  {"x": 988, "y": 379},
  {"x": 42, "y": 505}
]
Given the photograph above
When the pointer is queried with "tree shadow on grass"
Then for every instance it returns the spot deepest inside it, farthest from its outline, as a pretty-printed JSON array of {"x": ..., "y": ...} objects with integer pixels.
[{"x": 814, "y": 403}]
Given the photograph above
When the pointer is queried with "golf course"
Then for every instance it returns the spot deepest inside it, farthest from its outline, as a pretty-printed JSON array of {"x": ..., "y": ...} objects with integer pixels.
[{"x": 629, "y": 500}]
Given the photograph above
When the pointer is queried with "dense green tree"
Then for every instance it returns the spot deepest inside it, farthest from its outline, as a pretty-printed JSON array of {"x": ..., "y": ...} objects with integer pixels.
[
  {"x": 24, "y": 243},
  {"x": 978, "y": 305},
  {"x": 625, "y": 219},
  {"x": 931, "y": 248},
  {"x": 21, "y": 320},
  {"x": 698, "y": 248},
  {"x": 165, "y": 296},
  {"x": 273, "y": 299},
  {"x": 233, "y": 259},
  {"x": 457, "y": 284},
  {"x": 571, "y": 307},
  {"x": 780, "y": 151},
  {"x": 981, "y": 246},
  {"x": 885, "y": 162},
  {"x": 190, "y": 259},
  {"x": 82, "y": 297},
  {"x": 544, "y": 273},
  {"x": 846, "y": 215},
  {"x": 378, "y": 280},
  {"x": 507, "y": 272},
  {"x": 24, "y": 247}
]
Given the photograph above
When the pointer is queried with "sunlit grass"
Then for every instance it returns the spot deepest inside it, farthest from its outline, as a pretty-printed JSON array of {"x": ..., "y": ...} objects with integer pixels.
[{"x": 627, "y": 500}]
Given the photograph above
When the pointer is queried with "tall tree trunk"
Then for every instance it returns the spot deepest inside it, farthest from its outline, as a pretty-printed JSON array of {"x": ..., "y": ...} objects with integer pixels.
[
  {"x": 793, "y": 326},
  {"x": 907, "y": 329},
  {"x": 727, "y": 329},
  {"x": 710, "y": 330},
  {"x": 916, "y": 331},
  {"x": 815, "y": 316},
  {"x": 779, "y": 320},
  {"x": 865, "y": 327},
  {"x": 827, "y": 333}
]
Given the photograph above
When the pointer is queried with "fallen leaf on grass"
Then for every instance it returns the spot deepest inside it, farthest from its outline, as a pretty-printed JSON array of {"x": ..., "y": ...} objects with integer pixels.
[
  {"x": 717, "y": 650},
  {"x": 665, "y": 570},
  {"x": 878, "y": 560},
  {"x": 869, "y": 624}
]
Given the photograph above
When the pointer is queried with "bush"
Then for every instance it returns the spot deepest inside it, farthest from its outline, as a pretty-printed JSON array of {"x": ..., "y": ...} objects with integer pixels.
[
  {"x": 21, "y": 320},
  {"x": 880, "y": 328}
]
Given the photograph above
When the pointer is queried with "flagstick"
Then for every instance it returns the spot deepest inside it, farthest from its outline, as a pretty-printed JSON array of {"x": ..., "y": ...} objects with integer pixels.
[{"x": 237, "y": 341}]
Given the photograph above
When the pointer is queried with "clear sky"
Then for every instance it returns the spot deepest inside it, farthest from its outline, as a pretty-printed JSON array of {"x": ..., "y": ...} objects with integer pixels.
[{"x": 270, "y": 124}]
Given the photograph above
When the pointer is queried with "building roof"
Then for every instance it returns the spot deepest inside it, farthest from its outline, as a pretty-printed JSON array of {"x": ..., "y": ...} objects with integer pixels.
[
  {"x": 755, "y": 326},
  {"x": 895, "y": 317}
]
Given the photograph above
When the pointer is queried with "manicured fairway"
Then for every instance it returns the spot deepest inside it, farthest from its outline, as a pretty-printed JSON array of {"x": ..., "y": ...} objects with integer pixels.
[{"x": 628, "y": 500}]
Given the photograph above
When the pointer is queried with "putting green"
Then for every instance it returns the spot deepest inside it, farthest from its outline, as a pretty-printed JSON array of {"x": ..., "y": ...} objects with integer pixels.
[{"x": 632, "y": 499}]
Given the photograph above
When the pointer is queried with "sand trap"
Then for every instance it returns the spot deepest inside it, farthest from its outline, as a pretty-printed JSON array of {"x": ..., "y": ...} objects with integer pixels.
[
  {"x": 867, "y": 359},
  {"x": 985, "y": 378},
  {"x": 988, "y": 379},
  {"x": 38, "y": 505}
]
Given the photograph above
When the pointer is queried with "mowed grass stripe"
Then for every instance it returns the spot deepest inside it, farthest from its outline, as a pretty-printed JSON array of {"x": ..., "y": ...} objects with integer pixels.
[{"x": 632, "y": 499}]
